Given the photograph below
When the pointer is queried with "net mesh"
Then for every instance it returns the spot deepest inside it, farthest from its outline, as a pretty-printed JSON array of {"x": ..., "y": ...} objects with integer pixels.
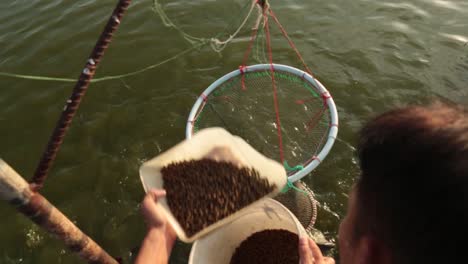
[
  {"x": 302, "y": 204},
  {"x": 244, "y": 106}
]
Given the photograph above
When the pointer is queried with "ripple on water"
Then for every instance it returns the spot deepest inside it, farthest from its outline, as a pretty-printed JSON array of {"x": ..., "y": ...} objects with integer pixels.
[
  {"x": 445, "y": 4},
  {"x": 455, "y": 41},
  {"x": 403, "y": 7},
  {"x": 371, "y": 55},
  {"x": 42, "y": 30}
]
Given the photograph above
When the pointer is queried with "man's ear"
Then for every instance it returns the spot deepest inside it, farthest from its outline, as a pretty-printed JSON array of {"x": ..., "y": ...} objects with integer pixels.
[{"x": 370, "y": 250}]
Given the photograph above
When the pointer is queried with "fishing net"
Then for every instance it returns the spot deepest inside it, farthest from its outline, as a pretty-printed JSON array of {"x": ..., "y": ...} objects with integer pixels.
[
  {"x": 282, "y": 111},
  {"x": 294, "y": 123},
  {"x": 304, "y": 207}
]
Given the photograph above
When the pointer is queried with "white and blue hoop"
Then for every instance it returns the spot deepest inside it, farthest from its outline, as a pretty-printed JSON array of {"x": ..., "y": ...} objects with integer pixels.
[{"x": 332, "y": 132}]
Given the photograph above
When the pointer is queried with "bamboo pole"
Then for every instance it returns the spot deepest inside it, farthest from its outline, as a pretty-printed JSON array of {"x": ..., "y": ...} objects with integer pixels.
[{"x": 15, "y": 190}]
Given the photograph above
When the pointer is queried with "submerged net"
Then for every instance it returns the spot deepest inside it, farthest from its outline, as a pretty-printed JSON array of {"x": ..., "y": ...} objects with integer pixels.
[
  {"x": 249, "y": 113},
  {"x": 304, "y": 207}
]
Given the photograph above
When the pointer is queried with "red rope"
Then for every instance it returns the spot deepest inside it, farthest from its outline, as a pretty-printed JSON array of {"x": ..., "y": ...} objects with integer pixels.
[
  {"x": 251, "y": 43},
  {"x": 205, "y": 99},
  {"x": 314, "y": 120},
  {"x": 246, "y": 56},
  {"x": 291, "y": 43},
  {"x": 242, "y": 71},
  {"x": 310, "y": 125},
  {"x": 312, "y": 159},
  {"x": 249, "y": 48},
  {"x": 275, "y": 95},
  {"x": 272, "y": 70}
]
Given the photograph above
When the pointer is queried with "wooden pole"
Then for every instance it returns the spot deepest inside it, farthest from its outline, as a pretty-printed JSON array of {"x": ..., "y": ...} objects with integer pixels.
[{"x": 15, "y": 190}]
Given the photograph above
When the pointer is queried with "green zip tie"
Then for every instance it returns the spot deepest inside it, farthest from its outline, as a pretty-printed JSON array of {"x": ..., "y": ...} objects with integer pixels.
[
  {"x": 290, "y": 186},
  {"x": 295, "y": 168}
]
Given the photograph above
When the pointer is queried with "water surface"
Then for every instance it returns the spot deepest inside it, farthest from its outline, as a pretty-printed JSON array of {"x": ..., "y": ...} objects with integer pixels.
[{"x": 371, "y": 55}]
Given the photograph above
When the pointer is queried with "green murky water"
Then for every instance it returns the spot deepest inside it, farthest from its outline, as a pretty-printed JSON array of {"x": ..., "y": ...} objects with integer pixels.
[{"x": 372, "y": 56}]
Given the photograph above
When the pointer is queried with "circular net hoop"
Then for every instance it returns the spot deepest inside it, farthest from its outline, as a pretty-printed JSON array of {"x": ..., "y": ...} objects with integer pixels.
[{"x": 283, "y": 112}]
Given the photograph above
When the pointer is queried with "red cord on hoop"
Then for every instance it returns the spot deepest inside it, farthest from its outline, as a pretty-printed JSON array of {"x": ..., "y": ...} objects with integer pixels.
[
  {"x": 242, "y": 71},
  {"x": 325, "y": 97}
]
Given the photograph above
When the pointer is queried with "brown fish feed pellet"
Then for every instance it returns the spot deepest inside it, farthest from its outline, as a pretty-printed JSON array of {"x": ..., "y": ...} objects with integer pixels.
[
  {"x": 202, "y": 192},
  {"x": 274, "y": 246}
]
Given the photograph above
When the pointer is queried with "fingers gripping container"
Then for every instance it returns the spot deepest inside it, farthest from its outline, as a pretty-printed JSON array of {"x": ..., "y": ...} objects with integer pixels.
[
  {"x": 219, "y": 145},
  {"x": 219, "y": 246}
]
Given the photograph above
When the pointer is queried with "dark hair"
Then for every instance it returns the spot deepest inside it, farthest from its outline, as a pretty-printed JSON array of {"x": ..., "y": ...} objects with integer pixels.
[{"x": 413, "y": 189}]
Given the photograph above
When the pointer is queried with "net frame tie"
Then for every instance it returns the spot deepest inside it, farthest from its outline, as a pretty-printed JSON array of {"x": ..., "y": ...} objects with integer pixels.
[
  {"x": 242, "y": 69},
  {"x": 325, "y": 96},
  {"x": 289, "y": 168},
  {"x": 290, "y": 186},
  {"x": 317, "y": 159}
]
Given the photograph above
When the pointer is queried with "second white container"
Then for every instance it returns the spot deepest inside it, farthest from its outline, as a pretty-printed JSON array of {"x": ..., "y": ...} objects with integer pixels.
[{"x": 218, "y": 246}]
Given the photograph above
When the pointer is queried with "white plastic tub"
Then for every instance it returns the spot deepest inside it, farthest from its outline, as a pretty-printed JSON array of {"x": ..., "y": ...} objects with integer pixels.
[
  {"x": 216, "y": 144},
  {"x": 218, "y": 246}
]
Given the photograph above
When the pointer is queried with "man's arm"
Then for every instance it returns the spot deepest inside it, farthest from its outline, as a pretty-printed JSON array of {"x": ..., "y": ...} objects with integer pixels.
[{"x": 157, "y": 245}]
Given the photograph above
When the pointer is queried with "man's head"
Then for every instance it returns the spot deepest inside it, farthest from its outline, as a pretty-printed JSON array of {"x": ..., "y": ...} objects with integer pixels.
[{"x": 410, "y": 204}]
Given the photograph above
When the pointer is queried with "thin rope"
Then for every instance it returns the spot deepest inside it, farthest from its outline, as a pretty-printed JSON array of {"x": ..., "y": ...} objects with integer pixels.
[
  {"x": 253, "y": 37},
  {"x": 275, "y": 93},
  {"x": 291, "y": 43},
  {"x": 219, "y": 45},
  {"x": 249, "y": 47},
  {"x": 216, "y": 44},
  {"x": 105, "y": 78},
  {"x": 35, "y": 77},
  {"x": 157, "y": 8},
  {"x": 260, "y": 54},
  {"x": 113, "y": 77},
  {"x": 315, "y": 119}
]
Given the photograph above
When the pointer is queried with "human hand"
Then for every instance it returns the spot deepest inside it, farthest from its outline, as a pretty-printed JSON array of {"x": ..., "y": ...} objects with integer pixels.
[
  {"x": 153, "y": 213},
  {"x": 158, "y": 243},
  {"x": 310, "y": 253}
]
